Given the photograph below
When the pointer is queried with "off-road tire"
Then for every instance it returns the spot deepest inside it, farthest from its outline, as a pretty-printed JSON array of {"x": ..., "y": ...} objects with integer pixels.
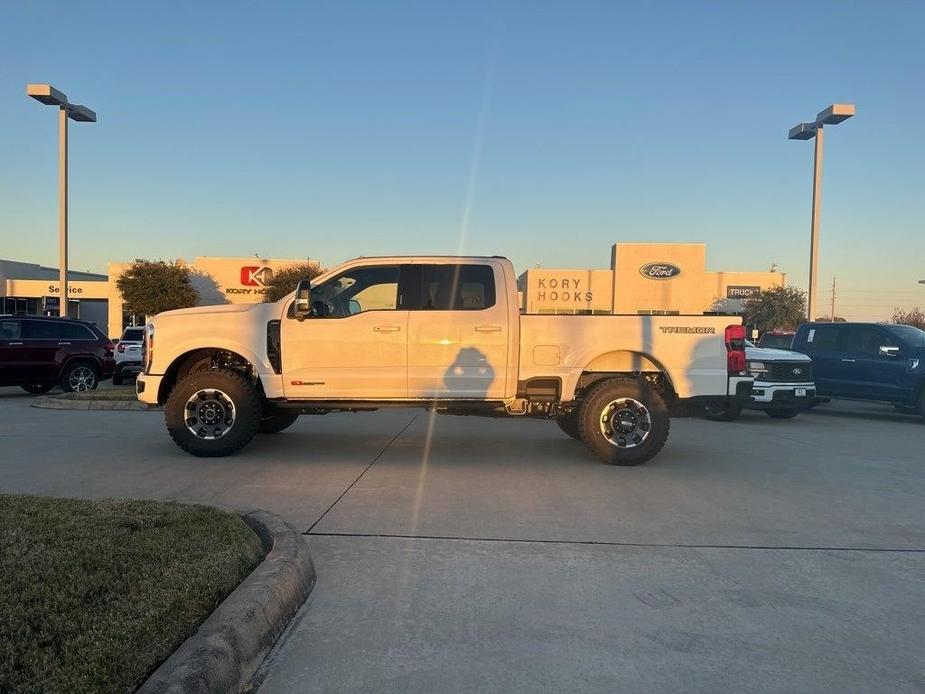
[
  {"x": 592, "y": 409},
  {"x": 782, "y": 414},
  {"x": 37, "y": 388},
  {"x": 726, "y": 412},
  {"x": 65, "y": 380},
  {"x": 238, "y": 389},
  {"x": 275, "y": 421},
  {"x": 568, "y": 422},
  {"x": 117, "y": 377}
]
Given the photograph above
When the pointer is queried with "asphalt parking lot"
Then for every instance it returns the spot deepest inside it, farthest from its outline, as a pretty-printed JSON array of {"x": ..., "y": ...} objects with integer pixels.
[{"x": 462, "y": 554}]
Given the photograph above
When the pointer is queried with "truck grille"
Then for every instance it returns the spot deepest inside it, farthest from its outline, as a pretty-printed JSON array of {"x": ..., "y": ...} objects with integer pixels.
[{"x": 790, "y": 371}]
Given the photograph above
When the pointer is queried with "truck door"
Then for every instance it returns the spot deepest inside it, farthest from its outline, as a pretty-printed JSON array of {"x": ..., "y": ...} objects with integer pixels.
[
  {"x": 12, "y": 351},
  {"x": 355, "y": 345},
  {"x": 867, "y": 372},
  {"x": 821, "y": 344},
  {"x": 458, "y": 332}
]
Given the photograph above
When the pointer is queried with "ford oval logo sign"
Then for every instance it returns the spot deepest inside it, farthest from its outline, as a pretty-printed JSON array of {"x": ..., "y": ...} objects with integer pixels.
[{"x": 659, "y": 271}]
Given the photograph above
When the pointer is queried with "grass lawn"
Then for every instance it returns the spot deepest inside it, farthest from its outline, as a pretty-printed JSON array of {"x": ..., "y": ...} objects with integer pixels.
[{"x": 94, "y": 595}]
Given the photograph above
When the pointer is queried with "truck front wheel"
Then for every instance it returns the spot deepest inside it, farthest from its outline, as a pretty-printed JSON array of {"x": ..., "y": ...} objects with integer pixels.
[
  {"x": 275, "y": 420},
  {"x": 568, "y": 422},
  {"x": 213, "y": 413},
  {"x": 623, "y": 422}
]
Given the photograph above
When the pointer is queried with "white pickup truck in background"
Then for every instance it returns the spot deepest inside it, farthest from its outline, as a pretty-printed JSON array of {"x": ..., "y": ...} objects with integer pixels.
[{"x": 437, "y": 332}]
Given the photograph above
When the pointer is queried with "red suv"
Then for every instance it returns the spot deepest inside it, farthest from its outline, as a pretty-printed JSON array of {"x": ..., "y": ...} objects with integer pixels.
[{"x": 39, "y": 353}]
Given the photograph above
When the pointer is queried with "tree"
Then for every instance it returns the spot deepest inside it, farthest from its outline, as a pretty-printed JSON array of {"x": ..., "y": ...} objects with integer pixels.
[
  {"x": 914, "y": 317},
  {"x": 778, "y": 308},
  {"x": 149, "y": 287},
  {"x": 285, "y": 280}
]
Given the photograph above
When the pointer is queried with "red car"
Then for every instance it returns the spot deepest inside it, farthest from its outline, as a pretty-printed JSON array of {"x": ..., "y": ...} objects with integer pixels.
[{"x": 39, "y": 353}]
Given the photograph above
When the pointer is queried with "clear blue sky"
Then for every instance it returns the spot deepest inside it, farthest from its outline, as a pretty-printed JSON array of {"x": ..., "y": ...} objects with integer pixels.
[{"x": 542, "y": 131}]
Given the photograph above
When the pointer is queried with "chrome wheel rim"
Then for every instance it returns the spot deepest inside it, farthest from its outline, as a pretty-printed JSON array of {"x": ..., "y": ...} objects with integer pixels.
[
  {"x": 82, "y": 378},
  {"x": 625, "y": 423},
  {"x": 209, "y": 414}
]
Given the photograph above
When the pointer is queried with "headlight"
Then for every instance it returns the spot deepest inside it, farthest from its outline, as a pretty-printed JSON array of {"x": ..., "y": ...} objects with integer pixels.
[
  {"x": 757, "y": 368},
  {"x": 147, "y": 348}
]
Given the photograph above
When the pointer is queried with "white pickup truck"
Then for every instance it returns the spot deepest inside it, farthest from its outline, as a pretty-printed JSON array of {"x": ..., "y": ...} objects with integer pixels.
[{"x": 437, "y": 332}]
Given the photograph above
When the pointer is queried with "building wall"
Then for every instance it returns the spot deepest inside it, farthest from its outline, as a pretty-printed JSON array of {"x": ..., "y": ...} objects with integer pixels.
[
  {"x": 566, "y": 291},
  {"x": 679, "y": 282},
  {"x": 218, "y": 281}
]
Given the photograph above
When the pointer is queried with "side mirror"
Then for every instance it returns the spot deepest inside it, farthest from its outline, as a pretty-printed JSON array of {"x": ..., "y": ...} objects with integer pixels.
[
  {"x": 302, "y": 308},
  {"x": 886, "y": 351},
  {"x": 354, "y": 307}
]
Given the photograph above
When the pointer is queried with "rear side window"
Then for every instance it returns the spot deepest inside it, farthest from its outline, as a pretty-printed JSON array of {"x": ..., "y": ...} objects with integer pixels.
[
  {"x": 44, "y": 330},
  {"x": 825, "y": 337},
  {"x": 456, "y": 288},
  {"x": 10, "y": 330},
  {"x": 54, "y": 330}
]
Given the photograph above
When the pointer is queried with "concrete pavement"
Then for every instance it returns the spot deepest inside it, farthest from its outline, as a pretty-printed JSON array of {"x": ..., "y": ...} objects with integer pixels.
[{"x": 747, "y": 555}]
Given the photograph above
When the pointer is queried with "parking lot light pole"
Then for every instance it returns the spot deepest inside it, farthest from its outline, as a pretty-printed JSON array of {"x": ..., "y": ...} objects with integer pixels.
[
  {"x": 833, "y": 115},
  {"x": 50, "y": 96}
]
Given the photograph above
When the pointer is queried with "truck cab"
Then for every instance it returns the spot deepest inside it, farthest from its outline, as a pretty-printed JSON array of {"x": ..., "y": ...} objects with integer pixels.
[
  {"x": 867, "y": 361},
  {"x": 445, "y": 333}
]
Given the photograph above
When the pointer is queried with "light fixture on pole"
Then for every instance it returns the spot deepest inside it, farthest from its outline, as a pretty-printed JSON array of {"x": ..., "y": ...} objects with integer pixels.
[
  {"x": 833, "y": 115},
  {"x": 50, "y": 96}
]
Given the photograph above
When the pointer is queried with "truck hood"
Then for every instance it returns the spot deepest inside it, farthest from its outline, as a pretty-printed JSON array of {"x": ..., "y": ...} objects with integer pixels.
[
  {"x": 202, "y": 310},
  {"x": 769, "y": 354}
]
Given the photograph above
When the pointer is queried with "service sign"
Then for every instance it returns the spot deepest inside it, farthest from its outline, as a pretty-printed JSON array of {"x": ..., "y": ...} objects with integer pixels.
[
  {"x": 659, "y": 271},
  {"x": 741, "y": 292}
]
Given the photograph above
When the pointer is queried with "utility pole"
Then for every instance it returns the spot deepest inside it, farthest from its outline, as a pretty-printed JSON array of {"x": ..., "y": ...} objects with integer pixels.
[{"x": 833, "y": 299}]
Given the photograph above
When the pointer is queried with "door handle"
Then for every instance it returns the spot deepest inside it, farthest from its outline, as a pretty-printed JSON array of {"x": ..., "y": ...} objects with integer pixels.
[
  {"x": 386, "y": 328},
  {"x": 15, "y": 344},
  {"x": 488, "y": 328},
  {"x": 849, "y": 361},
  {"x": 64, "y": 343}
]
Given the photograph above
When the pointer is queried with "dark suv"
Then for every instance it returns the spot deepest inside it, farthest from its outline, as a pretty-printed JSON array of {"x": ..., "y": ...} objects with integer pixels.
[
  {"x": 867, "y": 361},
  {"x": 39, "y": 353}
]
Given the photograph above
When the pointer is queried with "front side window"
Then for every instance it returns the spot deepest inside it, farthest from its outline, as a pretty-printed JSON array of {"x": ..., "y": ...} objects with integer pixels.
[
  {"x": 44, "y": 330},
  {"x": 10, "y": 330},
  {"x": 865, "y": 339},
  {"x": 371, "y": 288},
  {"x": 457, "y": 287}
]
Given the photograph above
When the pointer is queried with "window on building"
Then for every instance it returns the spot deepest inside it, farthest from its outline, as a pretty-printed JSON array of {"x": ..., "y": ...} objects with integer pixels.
[{"x": 656, "y": 312}]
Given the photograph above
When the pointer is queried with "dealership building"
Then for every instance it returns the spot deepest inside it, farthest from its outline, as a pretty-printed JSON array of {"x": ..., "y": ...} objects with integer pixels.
[
  {"x": 31, "y": 289},
  {"x": 644, "y": 278}
]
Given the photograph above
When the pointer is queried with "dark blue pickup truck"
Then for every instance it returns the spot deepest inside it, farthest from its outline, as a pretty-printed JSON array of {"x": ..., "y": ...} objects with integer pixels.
[{"x": 867, "y": 361}]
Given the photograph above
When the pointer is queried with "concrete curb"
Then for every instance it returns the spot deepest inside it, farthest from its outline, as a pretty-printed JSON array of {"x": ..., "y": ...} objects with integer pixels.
[
  {"x": 62, "y": 402},
  {"x": 225, "y": 652}
]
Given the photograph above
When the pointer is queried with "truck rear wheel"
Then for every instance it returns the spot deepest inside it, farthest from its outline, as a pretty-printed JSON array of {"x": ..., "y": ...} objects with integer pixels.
[
  {"x": 727, "y": 411},
  {"x": 622, "y": 422},
  {"x": 213, "y": 413},
  {"x": 568, "y": 422}
]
